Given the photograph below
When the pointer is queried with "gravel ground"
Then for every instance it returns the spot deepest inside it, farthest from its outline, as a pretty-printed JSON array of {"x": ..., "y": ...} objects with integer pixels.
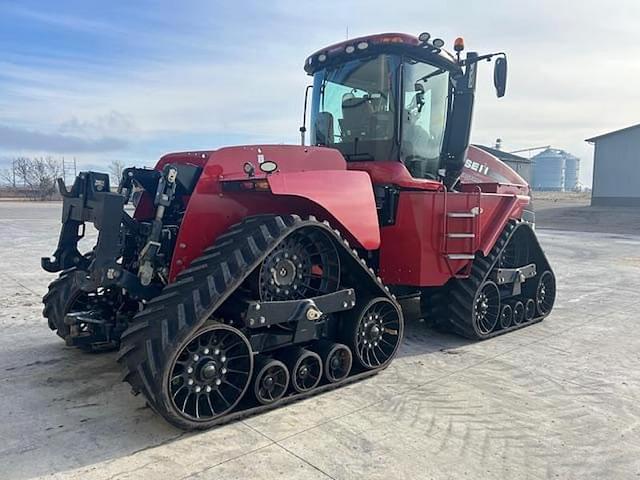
[{"x": 560, "y": 399}]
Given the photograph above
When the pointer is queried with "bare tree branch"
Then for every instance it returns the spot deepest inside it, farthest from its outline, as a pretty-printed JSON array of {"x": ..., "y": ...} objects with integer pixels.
[{"x": 115, "y": 170}]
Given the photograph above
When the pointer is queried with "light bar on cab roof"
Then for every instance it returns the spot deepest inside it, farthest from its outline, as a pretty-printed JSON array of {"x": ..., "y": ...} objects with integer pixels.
[{"x": 361, "y": 44}]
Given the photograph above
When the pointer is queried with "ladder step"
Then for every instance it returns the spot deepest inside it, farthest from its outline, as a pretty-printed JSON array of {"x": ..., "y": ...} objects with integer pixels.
[
  {"x": 461, "y": 256},
  {"x": 461, "y": 235},
  {"x": 461, "y": 214}
]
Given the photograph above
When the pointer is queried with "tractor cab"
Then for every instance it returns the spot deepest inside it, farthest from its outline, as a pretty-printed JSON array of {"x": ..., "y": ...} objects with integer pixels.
[{"x": 396, "y": 97}]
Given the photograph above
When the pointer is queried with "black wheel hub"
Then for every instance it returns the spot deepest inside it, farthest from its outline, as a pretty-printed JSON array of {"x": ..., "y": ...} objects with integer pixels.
[
  {"x": 377, "y": 334},
  {"x": 307, "y": 372},
  {"x": 211, "y": 373},
  {"x": 285, "y": 272},
  {"x": 545, "y": 293},
  {"x": 338, "y": 362},
  {"x": 518, "y": 313},
  {"x": 506, "y": 316},
  {"x": 271, "y": 382},
  {"x": 486, "y": 308}
]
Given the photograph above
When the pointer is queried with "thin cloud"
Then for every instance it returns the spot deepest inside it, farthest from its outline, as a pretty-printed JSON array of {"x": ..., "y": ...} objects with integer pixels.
[{"x": 28, "y": 140}]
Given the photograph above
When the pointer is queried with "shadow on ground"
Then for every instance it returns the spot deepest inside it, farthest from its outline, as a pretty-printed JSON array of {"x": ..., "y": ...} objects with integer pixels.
[{"x": 73, "y": 405}]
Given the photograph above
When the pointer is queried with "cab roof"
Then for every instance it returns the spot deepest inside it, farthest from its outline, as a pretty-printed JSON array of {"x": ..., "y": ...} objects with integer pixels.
[{"x": 381, "y": 42}]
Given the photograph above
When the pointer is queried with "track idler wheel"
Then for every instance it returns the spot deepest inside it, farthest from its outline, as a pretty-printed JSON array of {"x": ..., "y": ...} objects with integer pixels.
[
  {"x": 374, "y": 334},
  {"x": 506, "y": 316},
  {"x": 529, "y": 310},
  {"x": 486, "y": 308},
  {"x": 305, "y": 369},
  {"x": 546, "y": 293},
  {"x": 337, "y": 361},
  {"x": 210, "y": 373},
  {"x": 518, "y": 313},
  {"x": 271, "y": 380}
]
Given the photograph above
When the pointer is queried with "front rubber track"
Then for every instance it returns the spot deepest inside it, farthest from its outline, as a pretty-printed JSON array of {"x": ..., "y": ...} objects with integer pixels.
[
  {"x": 156, "y": 333},
  {"x": 462, "y": 292}
]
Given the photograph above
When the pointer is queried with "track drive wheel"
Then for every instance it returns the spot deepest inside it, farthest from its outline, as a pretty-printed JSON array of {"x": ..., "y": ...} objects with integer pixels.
[
  {"x": 374, "y": 333},
  {"x": 486, "y": 308},
  {"x": 305, "y": 264},
  {"x": 337, "y": 360},
  {"x": 271, "y": 380},
  {"x": 207, "y": 375},
  {"x": 546, "y": 293},
  {"x": 305, "y": 368}
]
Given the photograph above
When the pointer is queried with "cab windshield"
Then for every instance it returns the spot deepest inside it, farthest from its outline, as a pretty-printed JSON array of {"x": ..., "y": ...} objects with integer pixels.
[{"x": 382, "y": 108}]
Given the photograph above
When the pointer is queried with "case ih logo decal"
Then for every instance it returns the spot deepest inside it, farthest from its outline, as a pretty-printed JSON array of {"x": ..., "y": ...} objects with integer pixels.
[{"x": 477, "y": 167}]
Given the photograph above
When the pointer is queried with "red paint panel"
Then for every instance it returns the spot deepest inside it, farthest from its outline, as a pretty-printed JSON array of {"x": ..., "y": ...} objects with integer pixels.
[
  {"x": 346, "y": 196},
  {"x": 322, "y": 171},
  {"x": 411, "y": 250},
  {"x": 394, "y": 173}
]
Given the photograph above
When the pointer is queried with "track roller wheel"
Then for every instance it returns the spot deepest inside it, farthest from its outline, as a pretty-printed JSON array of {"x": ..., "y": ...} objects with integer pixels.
[
  {"x": 271, "y": 380},
  {"x": 375, "y": 333},
  {"x": 486, "y": 308},
  {"x": 518, "y": 313},
  {"x": 305, "y": 368},
  {"x": 506, "y": 316},
  {"x": 337, "y": 360},
  {"x": 209, "y": 374},
  {"x": 529, "y": 310},
  {"x": 546, "y": 293}
]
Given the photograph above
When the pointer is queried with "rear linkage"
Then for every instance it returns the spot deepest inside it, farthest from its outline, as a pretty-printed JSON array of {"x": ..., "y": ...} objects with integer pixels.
[{"x": 91, "y": 200}]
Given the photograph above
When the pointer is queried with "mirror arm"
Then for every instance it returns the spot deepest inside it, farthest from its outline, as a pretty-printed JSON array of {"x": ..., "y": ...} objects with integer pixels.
[{"x": 487, "y": 57}]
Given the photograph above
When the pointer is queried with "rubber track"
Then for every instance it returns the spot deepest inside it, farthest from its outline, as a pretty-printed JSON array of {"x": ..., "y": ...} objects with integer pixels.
[
  {"x": 55, "y": 300},
  {"x": 186, "y": 304},
  {"x": 462, "y": 291}
]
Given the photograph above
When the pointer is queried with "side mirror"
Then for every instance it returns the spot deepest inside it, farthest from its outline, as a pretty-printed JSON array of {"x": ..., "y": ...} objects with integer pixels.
[{"x": 500, "y": 76}]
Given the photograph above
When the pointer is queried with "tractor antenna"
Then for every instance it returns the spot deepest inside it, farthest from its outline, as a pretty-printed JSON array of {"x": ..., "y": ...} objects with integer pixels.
[{"x": 347, "y": 33}]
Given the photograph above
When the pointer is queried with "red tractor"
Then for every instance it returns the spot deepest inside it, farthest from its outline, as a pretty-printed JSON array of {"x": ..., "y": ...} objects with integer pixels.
[{"x": 252, "y": 276}]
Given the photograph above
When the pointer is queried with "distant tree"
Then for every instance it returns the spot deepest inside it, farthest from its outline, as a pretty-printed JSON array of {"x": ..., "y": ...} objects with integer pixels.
[
  {"x": 115, "y": 170},
  {"x": 35, "y": 176}
]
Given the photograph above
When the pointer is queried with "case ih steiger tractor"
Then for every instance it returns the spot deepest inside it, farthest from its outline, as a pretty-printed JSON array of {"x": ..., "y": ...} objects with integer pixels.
[{"x": 252, "y": 276}]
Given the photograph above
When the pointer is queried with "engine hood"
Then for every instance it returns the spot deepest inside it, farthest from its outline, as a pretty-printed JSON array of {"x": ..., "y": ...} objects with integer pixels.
[{"x": 258, "y": 161}]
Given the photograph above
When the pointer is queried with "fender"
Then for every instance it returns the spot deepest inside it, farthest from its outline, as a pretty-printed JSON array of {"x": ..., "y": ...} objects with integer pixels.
[
  {"x": 342, "y": 197},
  {"x": 346, "y": 197}
]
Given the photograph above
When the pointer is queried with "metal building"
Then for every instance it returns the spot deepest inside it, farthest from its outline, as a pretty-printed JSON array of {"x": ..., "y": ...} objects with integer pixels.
[
  {"x": 616, "y": 168},
  {"x": 521, "y": 165}
]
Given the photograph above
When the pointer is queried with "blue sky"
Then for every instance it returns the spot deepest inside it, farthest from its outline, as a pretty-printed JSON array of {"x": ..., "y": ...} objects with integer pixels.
[{"x": 133, "y": 80}]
